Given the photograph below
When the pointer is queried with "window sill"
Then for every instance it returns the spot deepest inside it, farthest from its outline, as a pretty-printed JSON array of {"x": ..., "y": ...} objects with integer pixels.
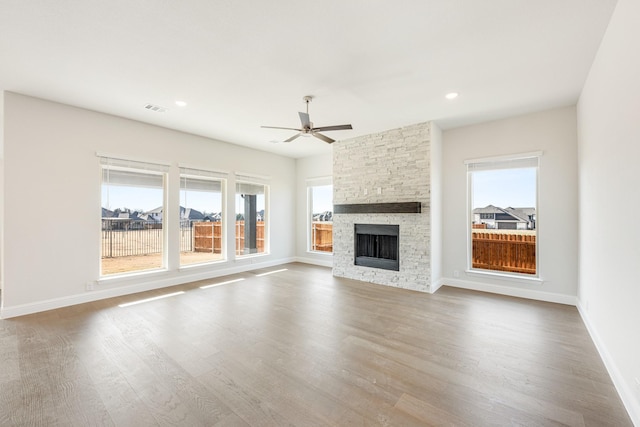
[
  {"x": 201, "y": 265},
  {"x": 504, "y": 276},
  {"x": 123, "y": 277},
  {"x": 248, "y": 256},
  {"x": 322, "y": 253}
]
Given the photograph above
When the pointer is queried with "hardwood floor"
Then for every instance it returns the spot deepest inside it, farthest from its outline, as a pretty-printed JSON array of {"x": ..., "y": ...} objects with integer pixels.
[{"x": 300, "y": 347}]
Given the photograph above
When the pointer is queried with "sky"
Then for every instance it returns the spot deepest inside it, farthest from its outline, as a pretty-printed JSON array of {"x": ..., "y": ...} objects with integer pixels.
[
  {"x": 322, "y": 198},
  {"x": 504, "y": 188},
  {"x": 201, "y": 201},
  {"x": 134, "y": 198},
  {"x": 501, "y": 187},
  {"x": 146, "y": 199}
]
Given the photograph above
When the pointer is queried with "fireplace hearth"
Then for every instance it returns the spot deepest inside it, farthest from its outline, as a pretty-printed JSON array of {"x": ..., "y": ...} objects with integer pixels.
[{"x": 377, "y": 246}]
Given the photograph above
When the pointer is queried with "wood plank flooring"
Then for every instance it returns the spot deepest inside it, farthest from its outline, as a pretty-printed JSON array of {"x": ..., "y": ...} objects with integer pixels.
[{"x": 300, "y": 347}]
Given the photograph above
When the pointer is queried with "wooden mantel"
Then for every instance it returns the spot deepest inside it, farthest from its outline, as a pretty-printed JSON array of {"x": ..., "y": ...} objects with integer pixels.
[{"x": 378, "y": 208}]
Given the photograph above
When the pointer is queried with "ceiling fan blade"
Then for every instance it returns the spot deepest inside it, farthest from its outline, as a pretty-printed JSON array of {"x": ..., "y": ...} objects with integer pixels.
[
  {"x": 304, "y": 119},
  {"x": 338, "y": 127},
  {"x": 322, "y": 137},
  {"x": 276, "y": 127},
  {"x": 293, "y": 137}
]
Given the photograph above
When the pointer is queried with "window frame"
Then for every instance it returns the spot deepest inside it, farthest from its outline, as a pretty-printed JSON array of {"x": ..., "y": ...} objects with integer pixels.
[
  {"x": 259, "y": 181},
  {"x": 515, "y": 159},
  {"x": 310, "y": 184},
  {"x": 188, "y": 172},
  {"x": 140, "y": 167}
]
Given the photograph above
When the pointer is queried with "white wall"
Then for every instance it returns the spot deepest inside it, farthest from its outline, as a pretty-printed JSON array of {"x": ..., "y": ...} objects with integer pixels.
[
  {"x": 436, "y": 206},
  {"x": 608, "y": 154},
  {"x": 52, "y": 199},
  {"x": 1, "y": 189},
  {"x": 309, "y": 168},
  {"x": 1, "y": 224},
  {"x": 553, "y": 132}
]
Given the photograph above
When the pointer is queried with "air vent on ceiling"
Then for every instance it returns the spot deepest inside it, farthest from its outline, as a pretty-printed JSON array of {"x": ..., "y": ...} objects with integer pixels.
[{"x": 155, "y": 108}]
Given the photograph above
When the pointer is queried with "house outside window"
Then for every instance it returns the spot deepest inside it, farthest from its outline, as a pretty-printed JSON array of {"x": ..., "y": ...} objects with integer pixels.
[
  {"x": 251, "y": 218},
  {"x": 503, "y": 195},
  {"x": 320, "y": 208},
  {"x": 133, "y": 203},
  {"x": 201, "y": 216}
]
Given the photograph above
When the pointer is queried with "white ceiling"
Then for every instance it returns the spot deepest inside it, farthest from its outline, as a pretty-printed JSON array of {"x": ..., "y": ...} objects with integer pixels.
[{"x": 241, "y": 64}]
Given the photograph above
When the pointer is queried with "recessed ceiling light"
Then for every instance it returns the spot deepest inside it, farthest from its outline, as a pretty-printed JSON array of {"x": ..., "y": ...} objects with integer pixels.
[
  {"x": 181, "y": 103},
  {"x": 451, "y": 95}
]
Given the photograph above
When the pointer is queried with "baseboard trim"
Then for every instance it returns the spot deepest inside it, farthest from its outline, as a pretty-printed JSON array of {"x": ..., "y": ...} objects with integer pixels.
[
  {"x": 435, "y": 286},
  {"x": 625, "y": 390},
  {"x": 132, "y": 288},
  {"x": 509, "y": 291},
  {"x": 313, "y": 261}
]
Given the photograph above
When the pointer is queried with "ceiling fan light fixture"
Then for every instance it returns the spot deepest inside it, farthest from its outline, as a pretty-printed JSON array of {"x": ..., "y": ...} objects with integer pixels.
[{"x": 308, "y": 129}]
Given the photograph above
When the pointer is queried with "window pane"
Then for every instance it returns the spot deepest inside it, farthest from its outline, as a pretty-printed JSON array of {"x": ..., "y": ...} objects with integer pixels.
[
  {"x": 504, "y": 220},
  {"x": 132, "y": 221},
  {"x": 321, "y": 198},
  {"x": 201, "y": 225},
  {"x": 250, "y": 218}
]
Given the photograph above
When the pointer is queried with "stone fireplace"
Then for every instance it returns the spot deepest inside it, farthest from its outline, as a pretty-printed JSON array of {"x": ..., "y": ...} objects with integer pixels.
[
  {"x": 377, "y": 246},
  {"x": 381, "y": 187}
]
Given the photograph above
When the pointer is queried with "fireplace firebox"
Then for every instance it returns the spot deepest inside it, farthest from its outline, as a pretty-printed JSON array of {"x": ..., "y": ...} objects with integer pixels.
[{"x": 377, "y": 246}]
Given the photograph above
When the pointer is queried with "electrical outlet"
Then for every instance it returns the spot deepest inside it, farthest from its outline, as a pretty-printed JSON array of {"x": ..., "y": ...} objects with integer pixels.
[
  {"x": 456, "y": 273},
  {"x": 365, "y": 191},
  {"x": 379, "y": 190},
  {"x": 90, "y": 286}
]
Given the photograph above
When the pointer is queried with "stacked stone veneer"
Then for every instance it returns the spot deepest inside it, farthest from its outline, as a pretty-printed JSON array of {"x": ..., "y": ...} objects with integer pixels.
[{"x": 391, "y": 166}]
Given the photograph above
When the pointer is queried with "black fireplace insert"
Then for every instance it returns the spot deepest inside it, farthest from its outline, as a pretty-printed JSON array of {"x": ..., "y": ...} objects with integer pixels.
[{"x": 377, "y": 246}]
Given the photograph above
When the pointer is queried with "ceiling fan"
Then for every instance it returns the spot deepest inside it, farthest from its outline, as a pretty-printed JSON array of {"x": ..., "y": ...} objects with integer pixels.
[{"x": 307, "y": 127}]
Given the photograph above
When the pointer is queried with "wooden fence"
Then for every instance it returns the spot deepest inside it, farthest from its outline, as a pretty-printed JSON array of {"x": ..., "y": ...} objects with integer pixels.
[
  {"x": 322, "y": 236},
  {"x": 504, "y": 251},
  {"x": 199, "y": 237},
  {"x": 207, "y": 237},
  {"x": 240, "y": 237}
]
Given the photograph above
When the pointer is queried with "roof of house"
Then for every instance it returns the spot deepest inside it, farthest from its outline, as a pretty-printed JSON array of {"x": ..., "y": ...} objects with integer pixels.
[
  {"x": 488, "y": 209},
  {"x": 190, "y": 213},
  {"x": 520, "y": 214}
]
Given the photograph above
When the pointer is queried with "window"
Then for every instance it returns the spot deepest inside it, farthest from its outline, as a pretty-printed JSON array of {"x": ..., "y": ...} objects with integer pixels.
[
  {"x": 251, "y": 218},
  {"x": 133, "y": 195},
  {"x": 201, "y": 216},
  {"x": 321, "y": 218},
  {"x": 503, "y": 228}
]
